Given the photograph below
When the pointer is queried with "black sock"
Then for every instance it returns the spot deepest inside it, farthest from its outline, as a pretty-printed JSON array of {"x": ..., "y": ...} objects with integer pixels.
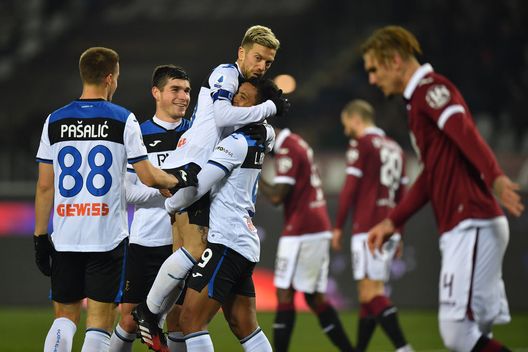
[
  {"x": 332, "y": 327},
  {"x": 485, "y": 344},
  {"x": 388, "y": 319},
  {"x": 366, "y": 326},
  {"x": 283, "y": 327}
]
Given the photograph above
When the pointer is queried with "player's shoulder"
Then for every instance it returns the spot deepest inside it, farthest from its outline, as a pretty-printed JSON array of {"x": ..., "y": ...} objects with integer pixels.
[
  {"x": 434, "y": 90},
  {"x": 150, "y": 127},
  {"x": 229, "y": 70},
  {"x": 291, "y": 145}
]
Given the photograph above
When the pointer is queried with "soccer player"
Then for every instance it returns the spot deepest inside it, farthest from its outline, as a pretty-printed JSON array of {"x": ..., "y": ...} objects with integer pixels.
[
  {"x": 223, "y": 276},
  {"x": 460, "y": 177},
  {"x": 374, "y": 184},
  {"x": 303, "y": 253},
  {"x": 82, "y": 157},
  {"x": 150, "y": 241},
  {"x": 214, "y": 118}
]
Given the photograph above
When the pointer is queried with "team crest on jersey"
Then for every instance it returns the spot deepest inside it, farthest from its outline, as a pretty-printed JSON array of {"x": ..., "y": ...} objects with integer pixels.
[
  {"x": 182, "y": 142},
  {"x": 284, "y": 164},
  {"x": 437, "y": 96},
  {"x": 352, "y": 155}
]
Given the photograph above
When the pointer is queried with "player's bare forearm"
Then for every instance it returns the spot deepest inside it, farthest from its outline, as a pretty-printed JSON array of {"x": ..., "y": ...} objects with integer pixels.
[
  {"x": 274, "y": 193},
  {"x": 44, "y": 194},
  {"x": 154, "y": 177}
]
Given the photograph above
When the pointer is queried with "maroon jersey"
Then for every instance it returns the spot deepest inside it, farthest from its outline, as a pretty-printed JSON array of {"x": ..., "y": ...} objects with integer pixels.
[
  {"x": 305, "y": 206},
  {"x": 458, "y": 166},
  {"x": 373, "y": 186}
]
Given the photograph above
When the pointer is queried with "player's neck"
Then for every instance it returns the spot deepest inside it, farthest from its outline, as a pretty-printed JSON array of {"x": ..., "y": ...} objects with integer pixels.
[
  {"x": 408, "y": 71},
  {"x": 94, "y": 92},
  {"x": 166, "y": 118}
]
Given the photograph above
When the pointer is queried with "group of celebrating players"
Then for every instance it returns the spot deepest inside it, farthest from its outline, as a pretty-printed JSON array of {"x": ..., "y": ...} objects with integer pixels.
[{"x": 192, "y": 246}]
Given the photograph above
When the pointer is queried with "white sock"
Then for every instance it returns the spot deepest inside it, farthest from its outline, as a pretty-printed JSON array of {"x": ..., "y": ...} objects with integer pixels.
[
  {"x": 170, "y": 275},
  {"x": 256, "y": 342},
  {"x": 406, "y": 348},
  {"x": 199, "y": 342},
  {"x": 60, "y": 336},
  {"x": 96, "y": 340},
  {"x": 121, "y": 340},
  {"x": 176, "y": 342}
]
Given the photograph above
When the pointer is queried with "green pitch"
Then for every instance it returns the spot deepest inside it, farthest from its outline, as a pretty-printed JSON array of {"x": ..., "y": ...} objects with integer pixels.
[{"x": 24, "y": 329}]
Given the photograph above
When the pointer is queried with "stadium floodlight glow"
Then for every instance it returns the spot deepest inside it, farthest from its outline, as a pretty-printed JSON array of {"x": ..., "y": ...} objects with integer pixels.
[{"x": 285, "y": 82}]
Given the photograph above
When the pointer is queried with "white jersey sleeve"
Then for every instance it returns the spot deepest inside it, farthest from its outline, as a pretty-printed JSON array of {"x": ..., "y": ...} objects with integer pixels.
[
  {"x": 224, "y": 82},
  {"x": 44, "y": 153},
  {"x": 229, "y": 153},
  {"x": 138, "y": 193},
  {"x": 133, "y": 140}
]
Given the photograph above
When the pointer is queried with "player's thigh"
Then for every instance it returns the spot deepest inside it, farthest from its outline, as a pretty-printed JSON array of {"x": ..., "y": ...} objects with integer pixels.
[
  {"x": 313, "y": 260},
  {"x": 105, "y": 273},
  {"x": 142, "y": 266},
  {"x": 372, "y": 266},
  {"x": 193, "y": 237},
  {"x": 241, "y": 314},
  {"x": 100, "y": 315}
]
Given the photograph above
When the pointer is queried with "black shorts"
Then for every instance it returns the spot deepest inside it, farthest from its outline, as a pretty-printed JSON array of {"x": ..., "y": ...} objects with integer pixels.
[
  {"x": 142, "y": 266},
  {"x": 198, "y": 211},
  {"x": 224, "y": 271},
  {"x": 97, "y": 275}
]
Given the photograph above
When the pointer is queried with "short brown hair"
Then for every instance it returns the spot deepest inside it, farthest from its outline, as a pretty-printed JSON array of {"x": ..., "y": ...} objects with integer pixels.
[
  {"x": 360, "y": 107},
  {"x": 387, "y": 41},
  {"x": 260, "y": 35},
  {"x": 96, "y": 63}
]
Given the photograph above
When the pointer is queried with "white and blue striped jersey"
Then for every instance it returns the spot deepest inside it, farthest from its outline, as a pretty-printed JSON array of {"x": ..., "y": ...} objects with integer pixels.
[
  {"x": 151, "y": 226},
  {"x": 231, "y": 174},
  {"x": 215, "y": 117},
  {"x": 89, "y": 142}
]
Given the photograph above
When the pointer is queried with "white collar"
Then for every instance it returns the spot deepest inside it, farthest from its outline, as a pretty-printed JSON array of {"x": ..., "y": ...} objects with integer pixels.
[
  {"x": 283, "y": 134},
  {"x": 239, "y": 70},
  {"x": 166, "y": 125},
  {"x": 415, "y": 79},
  {"x": 374, "y": 130}
]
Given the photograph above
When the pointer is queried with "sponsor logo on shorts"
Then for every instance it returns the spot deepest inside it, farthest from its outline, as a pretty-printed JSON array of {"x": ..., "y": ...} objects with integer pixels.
[{"x": 196, "y": 274}]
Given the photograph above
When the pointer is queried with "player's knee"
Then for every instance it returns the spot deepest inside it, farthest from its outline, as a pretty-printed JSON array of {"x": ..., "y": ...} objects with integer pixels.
[
  {"x": 188, "y": 321},
  {"x": 128, "y": 324},
  {"x": 314, "y": 300},
  {"x": 459, "y": 335}
]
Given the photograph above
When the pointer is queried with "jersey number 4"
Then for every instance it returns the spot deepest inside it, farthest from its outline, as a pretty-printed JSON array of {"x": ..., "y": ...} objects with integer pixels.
[{"x": 70, "y": 161}]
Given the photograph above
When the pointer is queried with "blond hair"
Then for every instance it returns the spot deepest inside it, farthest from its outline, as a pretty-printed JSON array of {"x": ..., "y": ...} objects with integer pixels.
[
  {"x": 96, "y": 63},
  {"x": 362, "y": 108},
  {"x": 387, "y": 41},
  {"x": 260, "y": 35}
]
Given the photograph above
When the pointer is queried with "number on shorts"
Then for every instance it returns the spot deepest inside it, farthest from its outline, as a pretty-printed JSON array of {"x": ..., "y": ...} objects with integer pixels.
[
  {"x": 72, "y": 170},
  {"x": 447, "y": 282},
  {"x": 206, "y": 257}
]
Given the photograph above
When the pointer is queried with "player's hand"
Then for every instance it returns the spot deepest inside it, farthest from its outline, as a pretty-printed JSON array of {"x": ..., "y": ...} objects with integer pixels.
[
  {"x": 257, "y": 132},
  {"x": 379, "y": 234},
  {"x": 337, "y": 236},
  {"x": 43, "y": 251},
  {"x": 506, "y": 192},
  {"x": 281, "y": 103},
  {"x": 165, "y": 192},
  {"x": 185, "y": 179}
]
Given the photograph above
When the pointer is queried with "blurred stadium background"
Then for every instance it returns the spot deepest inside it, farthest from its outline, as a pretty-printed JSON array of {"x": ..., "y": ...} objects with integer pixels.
[{"x": 482, "y": 46}]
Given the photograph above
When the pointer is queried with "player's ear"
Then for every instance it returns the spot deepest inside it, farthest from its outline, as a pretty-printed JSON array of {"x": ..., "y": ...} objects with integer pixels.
[
  {"x": 241, "y": 53},
  {"x": 156, "y": 93}
]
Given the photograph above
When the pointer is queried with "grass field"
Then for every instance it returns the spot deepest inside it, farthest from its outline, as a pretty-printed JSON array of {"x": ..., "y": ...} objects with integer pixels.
[{"x": 24, "y": 329}]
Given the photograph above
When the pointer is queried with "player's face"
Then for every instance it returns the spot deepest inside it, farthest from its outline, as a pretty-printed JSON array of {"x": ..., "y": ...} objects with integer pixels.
[
  {"x": 383, "y": 75},
  {"x": 349, "y": 122},
  {"x": 246, "y": 95},
  {"x": 173, "y": 99},
  {"x": 113, "y": 83},
  {"x": 254, "y": 61}
]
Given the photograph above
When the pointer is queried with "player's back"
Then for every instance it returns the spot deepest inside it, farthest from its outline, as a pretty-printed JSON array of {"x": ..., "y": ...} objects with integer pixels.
[
  {"x": 378, "y": 162},
  {"x": 305, "y": 207},
  {"x": 233, "y": 198},
  {"x": 88, "y": 142},
  {"x": 199, "y": 141}
]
